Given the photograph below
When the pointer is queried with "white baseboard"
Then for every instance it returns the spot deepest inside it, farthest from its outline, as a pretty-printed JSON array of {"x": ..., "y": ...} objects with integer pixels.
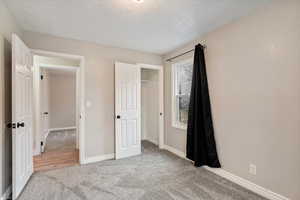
[
  {"x": 37, "y": 151},
  {"x": 235, "y": 179},
  {"x": 6, "y": 194},
  {"x": 152, "y": 141},
  {"x": 174, "y": 151},
  {"x": 62, "y": 129},
  {"x": 247, "y": 184},
  {"x": 46, "y": 135},
  {"x": 98, "y": 158}
]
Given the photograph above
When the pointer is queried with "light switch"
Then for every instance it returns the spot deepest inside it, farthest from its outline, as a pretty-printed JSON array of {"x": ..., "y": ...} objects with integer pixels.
[
  {"x": 252, "y": 169},
  {"x": 88, "y": 104}
]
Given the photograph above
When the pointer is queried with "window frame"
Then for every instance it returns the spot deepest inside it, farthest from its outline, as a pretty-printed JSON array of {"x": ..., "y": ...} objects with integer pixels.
[{"x": 176, "y": 123}]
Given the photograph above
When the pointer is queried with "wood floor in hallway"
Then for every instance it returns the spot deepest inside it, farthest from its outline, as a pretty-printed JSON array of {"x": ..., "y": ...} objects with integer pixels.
[
  {"x": 55, "y": 160},
  {"x": 60, "y": 151}
]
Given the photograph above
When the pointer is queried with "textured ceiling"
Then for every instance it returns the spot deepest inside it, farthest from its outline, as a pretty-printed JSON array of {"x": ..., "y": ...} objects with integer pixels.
[{"x": 156, "y": 26}]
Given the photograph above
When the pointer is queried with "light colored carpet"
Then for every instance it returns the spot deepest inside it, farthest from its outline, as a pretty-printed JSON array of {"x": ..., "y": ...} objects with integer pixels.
[
  {"x": 154, "y": 175},
  {"x": 61, "y": 141}
]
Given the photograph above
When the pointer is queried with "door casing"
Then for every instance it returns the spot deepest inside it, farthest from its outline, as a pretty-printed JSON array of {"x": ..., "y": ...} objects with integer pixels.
[
  {"x": 80, "y": 99},
  {"x": 160, "y": 70}
]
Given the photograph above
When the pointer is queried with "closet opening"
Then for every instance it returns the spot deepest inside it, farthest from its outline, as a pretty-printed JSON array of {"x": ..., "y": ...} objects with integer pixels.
[
  {"x": 139, "y": 106},
  {"x": 150, "y": 106}
]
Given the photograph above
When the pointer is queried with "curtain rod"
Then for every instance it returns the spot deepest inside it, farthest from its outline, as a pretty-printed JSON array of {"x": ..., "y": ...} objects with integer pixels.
[{"x": 182, "y": 54}]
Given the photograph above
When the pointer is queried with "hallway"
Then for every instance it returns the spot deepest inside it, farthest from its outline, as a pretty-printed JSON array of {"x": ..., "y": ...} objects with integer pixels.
[{"x": 60, "y": 151}]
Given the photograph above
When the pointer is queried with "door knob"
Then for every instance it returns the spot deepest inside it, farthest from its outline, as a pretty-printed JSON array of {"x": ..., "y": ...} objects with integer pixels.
[
  {"x": 11, "y": 125},
  {"x": 20, "y": 124}
]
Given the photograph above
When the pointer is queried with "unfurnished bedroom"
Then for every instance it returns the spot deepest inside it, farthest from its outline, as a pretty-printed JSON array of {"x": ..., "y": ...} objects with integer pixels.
[{"x": 149, "y": 100}]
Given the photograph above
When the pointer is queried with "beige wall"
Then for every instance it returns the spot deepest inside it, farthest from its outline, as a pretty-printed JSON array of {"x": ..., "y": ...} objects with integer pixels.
[
  {"x": 99, "y": 84},
  {"x": 253, "y": 68},
  {"x": 8, "y": 24},
  {"x": 7, "y": 27},
  {"x": 62, "y": 100}
]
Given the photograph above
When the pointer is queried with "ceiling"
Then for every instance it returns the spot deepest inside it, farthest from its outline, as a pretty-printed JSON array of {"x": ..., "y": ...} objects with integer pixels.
[{"x": 156, "y": 26}]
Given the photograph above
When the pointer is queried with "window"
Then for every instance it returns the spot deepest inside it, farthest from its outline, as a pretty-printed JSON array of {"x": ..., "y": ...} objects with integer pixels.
[{"x": 182, "y": 82}]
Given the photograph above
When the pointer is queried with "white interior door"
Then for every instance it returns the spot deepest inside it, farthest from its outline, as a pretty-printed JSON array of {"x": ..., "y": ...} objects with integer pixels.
[
  {"x": 44, "y": 105},
  {"x": 128, "y": 110},
  {"x": 22, "y": 115}
]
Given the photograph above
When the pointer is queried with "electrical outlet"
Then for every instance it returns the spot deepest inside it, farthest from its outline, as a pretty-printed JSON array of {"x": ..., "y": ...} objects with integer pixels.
[{"x": 252, "y": 169}]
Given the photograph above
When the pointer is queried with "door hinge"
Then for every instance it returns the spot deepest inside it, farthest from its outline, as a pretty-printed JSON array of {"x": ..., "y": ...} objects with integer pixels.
[
  {"x": 42, "y": 77},
  {"x": 42, "y": 147}
]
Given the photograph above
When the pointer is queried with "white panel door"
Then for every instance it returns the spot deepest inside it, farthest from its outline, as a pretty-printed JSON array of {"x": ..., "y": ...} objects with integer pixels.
[
  {"x": 22, "y": 115},
  {"x": 127, "y": 110},
  {"x": 44, "y": 85}
]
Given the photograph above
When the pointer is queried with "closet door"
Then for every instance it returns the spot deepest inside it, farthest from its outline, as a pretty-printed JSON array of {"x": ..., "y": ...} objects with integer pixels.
[{"x": 127, "y": 110}]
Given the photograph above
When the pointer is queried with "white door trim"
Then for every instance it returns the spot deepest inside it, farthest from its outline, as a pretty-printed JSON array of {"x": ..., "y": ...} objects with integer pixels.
[
  {"x": 7, "y": 193},
  {"x": 161, "y": 99},
  {"x": 80, "y": 108}
]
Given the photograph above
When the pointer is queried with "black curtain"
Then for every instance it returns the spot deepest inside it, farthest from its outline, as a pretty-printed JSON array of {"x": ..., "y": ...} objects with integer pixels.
[{"x": 201, "y": 145}]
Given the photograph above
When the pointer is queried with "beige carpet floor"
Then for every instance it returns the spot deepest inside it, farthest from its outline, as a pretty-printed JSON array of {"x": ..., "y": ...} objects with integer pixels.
[{"x": 153, "y": 175}]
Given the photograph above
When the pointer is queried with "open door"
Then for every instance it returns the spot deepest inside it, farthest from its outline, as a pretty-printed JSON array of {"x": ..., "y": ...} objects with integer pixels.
[
  {"x": 127, "y": 110},
  {"x": 44, "y": 102},
  {"x": 22, "y": 115}
]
